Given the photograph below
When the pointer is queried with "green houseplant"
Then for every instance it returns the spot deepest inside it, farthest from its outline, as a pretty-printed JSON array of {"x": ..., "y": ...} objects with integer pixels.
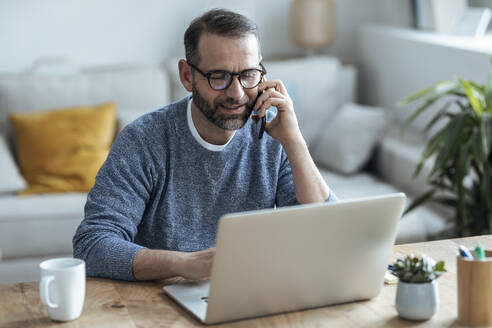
[
  {"x": 417, "y": 297},
  {"x": 413, "y": 269},
  {"x": 462, "y": 152}
]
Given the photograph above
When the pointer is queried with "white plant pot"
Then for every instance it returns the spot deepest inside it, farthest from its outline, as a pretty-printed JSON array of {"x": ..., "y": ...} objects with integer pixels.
[{"x": 417, "y": 301}]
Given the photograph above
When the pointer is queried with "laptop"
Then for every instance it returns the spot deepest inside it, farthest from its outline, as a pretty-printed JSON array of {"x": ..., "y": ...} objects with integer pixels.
[{"x": 293, "y": 258}]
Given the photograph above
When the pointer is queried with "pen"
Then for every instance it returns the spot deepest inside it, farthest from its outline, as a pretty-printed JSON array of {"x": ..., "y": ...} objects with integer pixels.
[
  {"x": 479, "y": 253},
  {"x": 464, "y": 252}
]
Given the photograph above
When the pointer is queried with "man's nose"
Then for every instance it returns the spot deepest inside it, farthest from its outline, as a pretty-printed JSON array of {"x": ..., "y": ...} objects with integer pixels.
[{"x": 235, "y": 90}]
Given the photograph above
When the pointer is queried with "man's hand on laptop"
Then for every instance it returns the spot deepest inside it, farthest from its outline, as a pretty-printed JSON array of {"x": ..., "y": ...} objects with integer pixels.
[{"x": 196, "y": 265}]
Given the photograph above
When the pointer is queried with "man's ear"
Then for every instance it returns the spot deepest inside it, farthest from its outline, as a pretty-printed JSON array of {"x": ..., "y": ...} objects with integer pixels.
[{"x": 185, "y": 74}]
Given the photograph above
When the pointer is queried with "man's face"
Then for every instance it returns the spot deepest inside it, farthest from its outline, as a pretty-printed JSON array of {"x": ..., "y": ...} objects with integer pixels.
[{"x": 228, "y": 109}]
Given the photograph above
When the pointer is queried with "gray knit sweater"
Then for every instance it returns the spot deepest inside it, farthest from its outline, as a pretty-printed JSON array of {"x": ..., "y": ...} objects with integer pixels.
[{"x": 161, "y": 189}]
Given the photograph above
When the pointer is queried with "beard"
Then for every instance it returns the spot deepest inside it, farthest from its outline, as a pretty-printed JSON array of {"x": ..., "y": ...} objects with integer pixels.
[{"x": 211, "y": 111}]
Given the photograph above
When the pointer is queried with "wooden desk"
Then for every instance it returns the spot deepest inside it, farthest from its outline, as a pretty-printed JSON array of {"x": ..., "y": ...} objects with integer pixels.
[{"x": 121, "y": 304}]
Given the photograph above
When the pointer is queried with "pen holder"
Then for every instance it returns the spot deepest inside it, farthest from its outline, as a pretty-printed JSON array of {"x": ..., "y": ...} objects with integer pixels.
[{"x": 475, "y": 290}]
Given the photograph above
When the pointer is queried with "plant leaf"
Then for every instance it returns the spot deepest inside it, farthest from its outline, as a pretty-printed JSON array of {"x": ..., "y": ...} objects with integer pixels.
[
  {"x": 480, "y": 91},
  {"x": 438, "y": 90},
  {"x": 420, "y": 200},
  {"x": 442, "y": 185},
  {"x": 417, "y": 112},
  {"x": 460, "y": 173},
  {"x": 474, "y": 102},
  {"x": 477, "y": 153},
  {"x": 447, "y": 201},
  {"x": 486, "y": 133},
  {"x": 439, "y": 266},
  {"x": 439, "y": 114},
  {"x": 415, "y": 96},
  {"x": 458, "y": 93},
  {"x": 431, "y": 148},
  {"x": 479, "y": 88},
  {"x": 453, "y": 132},
  {"x": 488, "y": 87}
]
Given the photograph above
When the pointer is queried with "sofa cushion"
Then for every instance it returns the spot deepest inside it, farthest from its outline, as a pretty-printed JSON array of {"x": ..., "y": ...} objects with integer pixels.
[
  {"x": 62, "y": 150},
  {"x": 347, "y": 85},
  {"x": 132, "y": 88},
  {"x": 11, "y": 181},
  {"x": 23, "y": 269},
  {"x": 357, "y": 185},
  {"x": 39, "y": 225},
  {"x": 347, "y": 142},
  {"x": 314, "y": 81},
  {"x": 397, "y": 157},
  {"x": 418, "y": 225}
]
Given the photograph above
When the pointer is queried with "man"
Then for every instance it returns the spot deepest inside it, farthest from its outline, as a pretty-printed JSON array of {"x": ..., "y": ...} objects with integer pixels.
[{"x": 171, "y": 174}]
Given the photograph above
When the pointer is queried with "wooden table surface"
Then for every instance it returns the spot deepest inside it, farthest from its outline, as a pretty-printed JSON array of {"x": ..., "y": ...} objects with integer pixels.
[{"x": 143, "y": 304}]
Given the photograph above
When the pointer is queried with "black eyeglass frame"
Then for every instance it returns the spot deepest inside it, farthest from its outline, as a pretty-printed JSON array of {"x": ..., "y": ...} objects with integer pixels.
[{"x": 262, "y": 71}]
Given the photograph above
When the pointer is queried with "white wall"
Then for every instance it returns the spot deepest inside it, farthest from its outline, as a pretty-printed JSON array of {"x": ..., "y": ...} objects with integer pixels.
[
  {"x": 94, "y": 32},
  {"x": 396, "y": 63}
]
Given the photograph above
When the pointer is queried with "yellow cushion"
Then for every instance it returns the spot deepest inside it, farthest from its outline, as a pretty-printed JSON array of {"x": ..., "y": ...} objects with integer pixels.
[{"x": 62, "y": 150}]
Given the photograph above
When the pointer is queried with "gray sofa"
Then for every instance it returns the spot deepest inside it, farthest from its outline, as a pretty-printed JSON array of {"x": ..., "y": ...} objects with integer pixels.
[{"x": 36, "y": 227}]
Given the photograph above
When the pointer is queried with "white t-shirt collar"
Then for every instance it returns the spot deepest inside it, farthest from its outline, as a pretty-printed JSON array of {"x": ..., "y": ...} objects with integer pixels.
[{"x": 197, "y": 136}]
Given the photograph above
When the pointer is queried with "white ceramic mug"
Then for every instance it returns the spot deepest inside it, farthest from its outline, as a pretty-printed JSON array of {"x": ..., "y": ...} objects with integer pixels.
[{"x": 62, "y": 287}]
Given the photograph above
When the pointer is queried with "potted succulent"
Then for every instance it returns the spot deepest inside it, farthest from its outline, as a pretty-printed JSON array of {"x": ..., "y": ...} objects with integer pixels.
[
  {"x": 416, "y": 294},
  {"x": 461, "y": 177}
]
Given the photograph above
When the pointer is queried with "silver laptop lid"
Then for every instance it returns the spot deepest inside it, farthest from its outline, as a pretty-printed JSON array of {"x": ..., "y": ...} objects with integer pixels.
[{"x": 302, "y": 256}]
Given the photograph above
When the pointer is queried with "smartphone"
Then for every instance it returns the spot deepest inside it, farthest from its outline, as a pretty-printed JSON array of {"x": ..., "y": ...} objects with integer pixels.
[
  {"x": 263, "y": 120},
  {"x": 262, "y": 127}
]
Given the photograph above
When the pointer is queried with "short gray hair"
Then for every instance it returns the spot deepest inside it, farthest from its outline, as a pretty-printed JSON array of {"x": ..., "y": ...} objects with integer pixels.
[{"x": 219, "y": 22}]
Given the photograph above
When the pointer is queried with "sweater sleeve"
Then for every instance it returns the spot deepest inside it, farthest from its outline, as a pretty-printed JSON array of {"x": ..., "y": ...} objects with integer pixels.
[
  {"x": 286, "y": 193},
  {"x": 114, "y": 209}
]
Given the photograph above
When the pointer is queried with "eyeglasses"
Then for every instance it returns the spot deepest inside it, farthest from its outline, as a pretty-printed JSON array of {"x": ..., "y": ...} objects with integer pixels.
[{"x": 221, "y": 80}]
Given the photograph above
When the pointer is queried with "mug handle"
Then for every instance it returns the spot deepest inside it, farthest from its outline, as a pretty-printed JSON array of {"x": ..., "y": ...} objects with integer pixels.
[{"x": 43, "y": 291}]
